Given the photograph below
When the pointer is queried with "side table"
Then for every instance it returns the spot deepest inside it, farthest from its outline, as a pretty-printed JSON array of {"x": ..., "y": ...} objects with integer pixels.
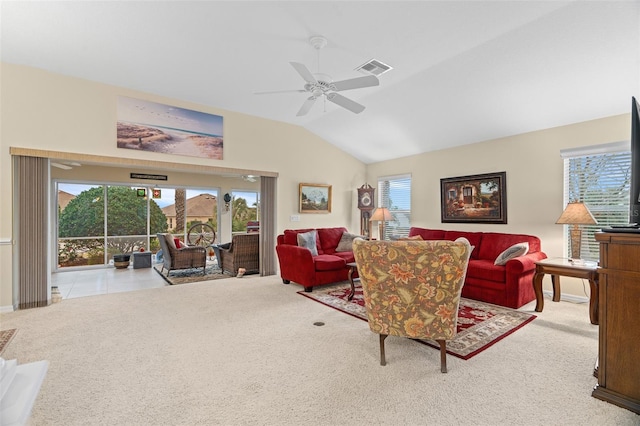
[
  {"x": 558, "y": 267},
  {"x": 141, "y": 259}
]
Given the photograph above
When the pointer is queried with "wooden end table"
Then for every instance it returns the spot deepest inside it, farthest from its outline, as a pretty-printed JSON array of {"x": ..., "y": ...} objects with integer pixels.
[
  {"x": 353, "y": 267},
  {"x": 558, "y": 267}
]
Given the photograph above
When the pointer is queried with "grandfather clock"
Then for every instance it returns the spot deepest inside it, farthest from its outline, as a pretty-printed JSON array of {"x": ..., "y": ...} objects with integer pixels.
[{"x": 366, "y": 195}]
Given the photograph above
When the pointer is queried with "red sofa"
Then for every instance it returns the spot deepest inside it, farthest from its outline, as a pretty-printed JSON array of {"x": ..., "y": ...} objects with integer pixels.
[
  {"x": 510, "y": 285},
  {"x": 298, "y": 265}
]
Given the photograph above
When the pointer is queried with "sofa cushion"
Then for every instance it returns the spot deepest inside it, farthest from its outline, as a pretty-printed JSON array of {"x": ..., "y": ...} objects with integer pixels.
[
  {"x": 170, "y": 240},
  {"x": 329, "y": 239},
  {"x": 308, "y": 241},
  {"x": 346, "y": 242},
  {"x": 465, "y": 241},
  {"x": 515, "y": 250},
  {"x": 412, "y": 238},
  {"x": 328, "y": 262},
  {"x": 346, "y": 255},
  {"x": 474, "y": 238},
  {"x": 494, "y": 243},
  {"x": 486, "y": 270},
  {"x": 291, "y": 235},
  {"x": 427, "y": 234}
]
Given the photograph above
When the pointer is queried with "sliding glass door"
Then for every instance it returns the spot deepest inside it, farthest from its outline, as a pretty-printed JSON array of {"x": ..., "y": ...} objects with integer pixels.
[{"x": 98, "y": 221}]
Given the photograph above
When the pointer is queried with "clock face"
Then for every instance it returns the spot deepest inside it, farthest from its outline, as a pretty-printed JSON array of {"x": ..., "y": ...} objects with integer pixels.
[{"x": 366, "y": 199}]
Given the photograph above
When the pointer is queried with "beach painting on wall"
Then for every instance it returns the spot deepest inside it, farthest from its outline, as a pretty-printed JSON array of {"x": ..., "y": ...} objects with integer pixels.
[{"x": 150, "y": 126}]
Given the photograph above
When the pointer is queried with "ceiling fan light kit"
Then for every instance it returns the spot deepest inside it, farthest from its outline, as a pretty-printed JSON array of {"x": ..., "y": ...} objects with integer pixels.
[{"x": 322, "y": 85}]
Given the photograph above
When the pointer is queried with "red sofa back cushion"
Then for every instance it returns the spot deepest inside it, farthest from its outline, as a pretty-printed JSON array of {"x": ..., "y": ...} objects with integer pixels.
[
  {"x": 326, "y": 242},
  {"x": 329, "y": 238},
  {"x": 291, "y": 237},
  {"x": 427, "y": 234},
  {"x": 494, "y": 243},
  {"x": 475, "y": 238}
]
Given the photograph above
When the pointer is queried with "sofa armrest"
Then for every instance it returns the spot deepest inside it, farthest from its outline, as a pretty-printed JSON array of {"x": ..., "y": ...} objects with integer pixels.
[
  {"x": 296, "y": 264},
  {"x": 523, "y": 264},
  {"x": 294, "y": 254}
]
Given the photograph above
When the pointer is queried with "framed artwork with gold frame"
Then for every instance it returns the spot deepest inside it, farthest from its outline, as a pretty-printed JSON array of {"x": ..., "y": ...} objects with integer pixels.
[{"x": 314, "y": 198}]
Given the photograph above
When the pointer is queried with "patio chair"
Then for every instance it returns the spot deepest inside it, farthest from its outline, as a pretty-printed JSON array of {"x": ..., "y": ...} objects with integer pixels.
[
  {"x": 243, "y": 252},
  {"x": 181, "y": 258}
]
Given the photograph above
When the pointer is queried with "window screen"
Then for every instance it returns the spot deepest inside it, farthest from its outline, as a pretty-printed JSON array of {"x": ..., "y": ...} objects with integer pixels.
[
  {"x": 600, "y": 177},
  {"x": 394, "y": 193}
]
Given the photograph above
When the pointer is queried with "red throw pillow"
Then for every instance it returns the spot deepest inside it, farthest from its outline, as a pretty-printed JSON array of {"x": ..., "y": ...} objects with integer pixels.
[{"x": 178, "y": 243}]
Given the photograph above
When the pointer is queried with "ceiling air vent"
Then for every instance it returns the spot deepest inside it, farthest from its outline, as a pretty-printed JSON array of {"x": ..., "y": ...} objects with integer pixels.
[{"x": 374, "y": 67}]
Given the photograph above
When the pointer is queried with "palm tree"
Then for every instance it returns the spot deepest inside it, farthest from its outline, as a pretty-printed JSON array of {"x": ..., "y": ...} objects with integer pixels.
[{"x": 180, "y": 198}]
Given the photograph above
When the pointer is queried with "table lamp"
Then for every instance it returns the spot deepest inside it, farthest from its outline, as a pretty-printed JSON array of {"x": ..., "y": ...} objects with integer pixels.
[
  {"x": 381, "y": 215},
  {"x": 576, "y": 213}
]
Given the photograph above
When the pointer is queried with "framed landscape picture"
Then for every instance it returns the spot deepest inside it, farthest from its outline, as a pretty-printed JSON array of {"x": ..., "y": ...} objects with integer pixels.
[
  {"x": 474, "y": 199},
  {"x": 314, "y": 198}
]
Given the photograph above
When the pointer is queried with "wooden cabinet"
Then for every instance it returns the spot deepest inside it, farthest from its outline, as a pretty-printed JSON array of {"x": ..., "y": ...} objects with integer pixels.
[{"x": 619, "y": 312}]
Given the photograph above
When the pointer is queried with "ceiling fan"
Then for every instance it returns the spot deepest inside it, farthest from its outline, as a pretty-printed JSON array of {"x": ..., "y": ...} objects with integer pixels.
[{"x": 321, "y": 85}]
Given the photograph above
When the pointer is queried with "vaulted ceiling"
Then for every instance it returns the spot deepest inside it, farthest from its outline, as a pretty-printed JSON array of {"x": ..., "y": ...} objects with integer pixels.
[{"x": 463, "y": 71}]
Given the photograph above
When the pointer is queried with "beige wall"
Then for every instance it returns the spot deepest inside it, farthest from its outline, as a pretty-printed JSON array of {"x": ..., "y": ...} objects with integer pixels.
[
  {"x": 42, "y": 110},
  {"x": 46, "y": 111},
  {"x": 535, "y": 177}
]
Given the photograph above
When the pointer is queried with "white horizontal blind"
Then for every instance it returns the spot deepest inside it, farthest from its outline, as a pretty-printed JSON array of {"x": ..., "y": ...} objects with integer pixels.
[
  {"x": 394, "y": 193},
  {"x": 601, "y": 181}
]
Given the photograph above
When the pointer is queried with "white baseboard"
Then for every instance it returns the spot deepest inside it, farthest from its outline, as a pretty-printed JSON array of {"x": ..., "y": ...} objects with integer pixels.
[
  {"x": 5, "y": 309},
  {"x": 568, "y": 297}
]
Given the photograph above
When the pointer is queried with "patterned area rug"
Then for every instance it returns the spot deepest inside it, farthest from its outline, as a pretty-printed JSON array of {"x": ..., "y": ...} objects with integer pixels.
[
  {"x": 5, "y": 338},
  {"x": 186, "y": 276},
  {"x": 480, "y": 325}
]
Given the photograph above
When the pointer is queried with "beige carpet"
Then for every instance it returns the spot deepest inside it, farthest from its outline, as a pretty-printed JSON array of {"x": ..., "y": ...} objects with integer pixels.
[{"x": 246, "y": 351}]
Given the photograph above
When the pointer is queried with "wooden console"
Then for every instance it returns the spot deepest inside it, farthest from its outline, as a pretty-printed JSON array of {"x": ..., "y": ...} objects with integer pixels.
[{"x": 619, "y": 337}]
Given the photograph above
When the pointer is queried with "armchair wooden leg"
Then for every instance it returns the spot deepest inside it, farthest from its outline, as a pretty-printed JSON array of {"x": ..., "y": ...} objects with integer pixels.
[
  {"x": 383, "y": 361},
  {"x": 443, "y": 355}
]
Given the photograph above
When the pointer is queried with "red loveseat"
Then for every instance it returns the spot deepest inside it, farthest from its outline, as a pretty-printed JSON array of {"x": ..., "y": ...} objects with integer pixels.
[
  {"x": 509, "y": 285},
  {"x": 298, "y": 265}
]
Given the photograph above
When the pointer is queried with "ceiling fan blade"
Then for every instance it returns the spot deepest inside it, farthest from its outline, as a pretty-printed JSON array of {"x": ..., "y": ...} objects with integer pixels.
[
  {"x": 347, "y": 103},
  {"x": 280, "y": 91},
  {"x": 304, "y": 72},
  {"x": 306, "y": 106},
  {"x": 355, "y": 83}
]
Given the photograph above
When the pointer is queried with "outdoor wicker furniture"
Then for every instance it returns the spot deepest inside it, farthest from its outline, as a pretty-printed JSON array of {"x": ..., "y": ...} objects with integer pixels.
[
  {"x": 181, "y": 258},
  {"x": 244, "y": 252}
]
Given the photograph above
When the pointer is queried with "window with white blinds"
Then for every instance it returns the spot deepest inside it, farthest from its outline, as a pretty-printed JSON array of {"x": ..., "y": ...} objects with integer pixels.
[
  {"x": 600, "y": 177},
  {"x": 394, "y": 193}
]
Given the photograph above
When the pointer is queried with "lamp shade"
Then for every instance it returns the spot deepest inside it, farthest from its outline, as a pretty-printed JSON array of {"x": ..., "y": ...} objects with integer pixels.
[
  {"x": 381, "y": 214},
  {"x": 576, "y": 213}
]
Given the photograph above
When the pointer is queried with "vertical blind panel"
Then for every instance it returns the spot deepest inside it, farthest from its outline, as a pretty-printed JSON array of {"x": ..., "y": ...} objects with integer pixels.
[
  {"x": 267, "y": 225},
  {"x": 394, "y": 193},
  {"x": 32, "y": 190},
  {"x": 602, "y": 182}
]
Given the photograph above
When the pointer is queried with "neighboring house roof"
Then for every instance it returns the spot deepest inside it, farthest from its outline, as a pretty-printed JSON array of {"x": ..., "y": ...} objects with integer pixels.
[
  {"x": 202, "y": 205},
  {"x": 64, "y": 198}
]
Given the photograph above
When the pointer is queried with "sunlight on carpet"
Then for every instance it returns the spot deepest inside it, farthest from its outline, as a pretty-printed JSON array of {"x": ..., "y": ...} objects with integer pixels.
[{"x": 480, "y": 325}]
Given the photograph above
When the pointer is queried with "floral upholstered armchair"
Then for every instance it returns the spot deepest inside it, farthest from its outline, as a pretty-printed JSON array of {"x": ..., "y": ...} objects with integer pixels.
[{"x": 412, "y": 288}]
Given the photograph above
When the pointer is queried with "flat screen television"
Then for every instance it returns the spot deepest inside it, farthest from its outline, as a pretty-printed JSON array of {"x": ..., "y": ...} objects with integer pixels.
[{"x": 634, "y": 213}]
